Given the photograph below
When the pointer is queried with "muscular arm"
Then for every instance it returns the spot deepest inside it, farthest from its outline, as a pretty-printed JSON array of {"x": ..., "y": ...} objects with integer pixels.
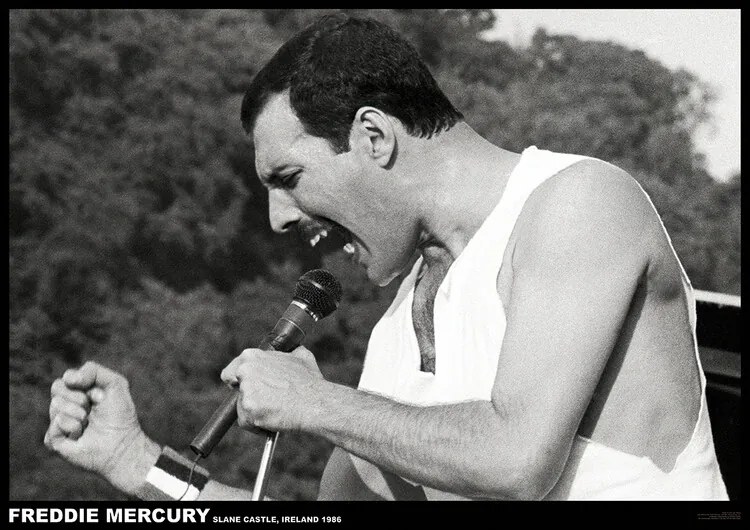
[{"x": 580, "y": 254}]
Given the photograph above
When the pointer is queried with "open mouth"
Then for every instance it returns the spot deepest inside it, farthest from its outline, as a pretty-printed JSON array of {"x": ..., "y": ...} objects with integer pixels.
[{"x": 329, "y": 234}]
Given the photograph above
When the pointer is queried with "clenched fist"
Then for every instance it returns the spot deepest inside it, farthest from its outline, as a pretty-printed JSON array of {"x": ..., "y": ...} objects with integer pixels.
[
  {"x": 276, "y": 388},
  {"x": 93, "y": 424}
]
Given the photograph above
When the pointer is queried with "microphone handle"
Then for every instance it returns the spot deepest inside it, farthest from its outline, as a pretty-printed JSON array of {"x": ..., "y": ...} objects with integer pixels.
[{"x": 286, "y": 335}]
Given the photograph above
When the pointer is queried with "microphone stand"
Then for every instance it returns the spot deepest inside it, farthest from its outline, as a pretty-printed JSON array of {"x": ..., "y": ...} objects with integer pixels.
[
  {"x": 317, "y": 294},
  {"x": 270, "y": 342},
  {"x": 259, "y": 490}
]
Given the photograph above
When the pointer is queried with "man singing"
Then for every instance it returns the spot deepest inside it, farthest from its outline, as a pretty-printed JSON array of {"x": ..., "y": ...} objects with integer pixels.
[{"x": 541, "y": 347}]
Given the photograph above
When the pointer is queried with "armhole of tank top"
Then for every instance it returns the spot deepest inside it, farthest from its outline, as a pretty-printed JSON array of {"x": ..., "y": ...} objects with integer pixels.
[{"x": 687, "y": 289}]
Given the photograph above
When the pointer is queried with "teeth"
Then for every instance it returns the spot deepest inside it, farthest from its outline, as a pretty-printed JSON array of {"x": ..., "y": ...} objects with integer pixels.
[
  {"x": 314, "y": 241},
  {"x": 349, "y": 248}
]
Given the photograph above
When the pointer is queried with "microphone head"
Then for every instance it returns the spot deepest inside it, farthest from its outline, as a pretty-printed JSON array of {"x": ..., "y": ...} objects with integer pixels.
[{"x": 320, "y": 291}]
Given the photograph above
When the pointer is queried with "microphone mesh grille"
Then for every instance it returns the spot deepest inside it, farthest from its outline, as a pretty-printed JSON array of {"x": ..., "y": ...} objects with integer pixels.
[{"x": 320, "y": 291}]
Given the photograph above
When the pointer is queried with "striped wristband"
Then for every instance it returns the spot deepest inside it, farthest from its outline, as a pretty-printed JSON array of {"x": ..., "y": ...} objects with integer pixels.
[{"x": 170, "y": 479}]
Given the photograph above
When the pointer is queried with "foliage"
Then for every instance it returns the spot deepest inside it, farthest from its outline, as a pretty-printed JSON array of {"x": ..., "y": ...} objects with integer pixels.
[{"x": 138, "y": 232}]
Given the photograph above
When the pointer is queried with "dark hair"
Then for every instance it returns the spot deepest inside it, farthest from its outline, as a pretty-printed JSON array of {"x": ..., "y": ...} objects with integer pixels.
[{"x": 339, "y": 64}]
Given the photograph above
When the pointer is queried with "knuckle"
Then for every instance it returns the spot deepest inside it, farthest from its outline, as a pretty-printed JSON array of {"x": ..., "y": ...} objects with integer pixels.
[
  {"x": 57, "y": 386},
  {"x": 71, "y": 424},
  {"x": 88, "y": 365},
  {"x": 248, "y": 353},
  {"x": 60, "y": 422},
  {"x": 74, "y": 411},
  {"x": 79, "y": 398}
]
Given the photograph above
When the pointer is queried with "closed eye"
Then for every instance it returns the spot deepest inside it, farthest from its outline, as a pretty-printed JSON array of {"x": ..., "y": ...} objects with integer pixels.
[{"x": 288, "y": 181}]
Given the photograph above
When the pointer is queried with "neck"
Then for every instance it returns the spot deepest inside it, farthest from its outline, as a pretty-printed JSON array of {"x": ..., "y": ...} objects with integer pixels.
[{"x": 456, "y": 179}]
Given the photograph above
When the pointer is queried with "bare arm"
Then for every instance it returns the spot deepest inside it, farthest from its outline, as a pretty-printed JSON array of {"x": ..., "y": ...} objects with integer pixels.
[
  {"x": 578, "y": 260},
  {"x": 93, "y": 424}
]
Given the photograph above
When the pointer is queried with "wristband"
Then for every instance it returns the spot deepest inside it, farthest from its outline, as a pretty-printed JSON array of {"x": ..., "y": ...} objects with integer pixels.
[{"x": 168, "y": 479}]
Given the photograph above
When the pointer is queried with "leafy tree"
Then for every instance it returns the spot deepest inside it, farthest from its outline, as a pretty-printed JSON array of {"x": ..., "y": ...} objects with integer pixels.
[{"x": 138, "y": 232}]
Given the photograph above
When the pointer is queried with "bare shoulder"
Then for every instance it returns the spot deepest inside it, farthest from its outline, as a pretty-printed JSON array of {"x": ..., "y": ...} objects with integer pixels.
[
  {"x": 591, "y": 201},
  {"x": 593, "y": 209}
]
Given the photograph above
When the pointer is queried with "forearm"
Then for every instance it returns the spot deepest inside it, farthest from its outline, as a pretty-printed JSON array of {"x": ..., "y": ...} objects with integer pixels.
[
  {"x": 463, "y": 448},
  {"x": 143, "y": 455}
]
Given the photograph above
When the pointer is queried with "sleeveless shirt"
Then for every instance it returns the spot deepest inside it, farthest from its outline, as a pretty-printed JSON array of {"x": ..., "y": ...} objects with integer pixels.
[{"x": 469, "y": 324}]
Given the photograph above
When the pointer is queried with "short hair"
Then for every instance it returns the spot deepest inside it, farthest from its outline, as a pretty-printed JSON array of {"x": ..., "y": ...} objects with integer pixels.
[{"x": 339, "y": 64}]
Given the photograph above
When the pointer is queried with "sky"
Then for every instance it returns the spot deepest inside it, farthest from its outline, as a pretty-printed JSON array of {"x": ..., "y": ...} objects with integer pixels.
[{"x": 705, "y": 42}]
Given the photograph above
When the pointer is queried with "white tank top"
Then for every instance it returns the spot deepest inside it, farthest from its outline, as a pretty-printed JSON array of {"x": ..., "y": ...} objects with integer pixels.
[{"x": 469, "y": 328}]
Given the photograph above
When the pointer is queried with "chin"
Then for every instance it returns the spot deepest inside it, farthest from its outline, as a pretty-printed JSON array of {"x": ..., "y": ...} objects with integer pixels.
[{"x": 382, "y": 279}]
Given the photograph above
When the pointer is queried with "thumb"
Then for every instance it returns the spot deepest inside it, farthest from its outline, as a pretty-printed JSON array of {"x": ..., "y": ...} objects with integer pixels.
[
  {"x": 57, "y": 439},
  {"x": 59, "y": 443},
  {"x": 96, "y": 395}
]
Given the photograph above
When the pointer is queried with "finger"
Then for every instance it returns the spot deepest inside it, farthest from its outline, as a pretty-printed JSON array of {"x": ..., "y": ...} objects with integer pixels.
[
  {"x": 54, "y": 431},
  {"x": 58, "y": 387},
  {"x": 77, "y": 400},
  {"x": 301, "y": 352},
  {"x": 62, "y": 406},
  {"x": 91, "y": 374},
  {"x": 50, "y": 435},
  {"x": 57, "y": 439},
  {"x": 246, "y": 373},
  {"x": 74, "y": 396},
  {"x": 244, "y": 419},
  {"x": 63, "y": 427},
  {"x": 54, "y": 408},
  {"x": 70, "y": 427},
  {"x": 96, "y": 395},
  {"x": 249, "y": 353},
  {"x": 58, "y": 443},
  {"x": 229, "y": 373}
]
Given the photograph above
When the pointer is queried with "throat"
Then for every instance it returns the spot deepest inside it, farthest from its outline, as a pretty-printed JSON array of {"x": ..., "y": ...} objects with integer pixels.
[{"x": 435, "y": 265}]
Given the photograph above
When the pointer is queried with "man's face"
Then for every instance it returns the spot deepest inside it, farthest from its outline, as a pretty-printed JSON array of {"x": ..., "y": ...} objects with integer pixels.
[{"x": 316, "y": 191}]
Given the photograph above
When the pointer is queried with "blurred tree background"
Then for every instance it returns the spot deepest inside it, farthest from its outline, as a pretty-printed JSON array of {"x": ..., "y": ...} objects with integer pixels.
[{"x": 139, "y": 237}]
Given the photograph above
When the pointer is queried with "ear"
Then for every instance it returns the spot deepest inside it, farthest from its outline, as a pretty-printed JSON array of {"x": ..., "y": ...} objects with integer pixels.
[{"x": 373, "y": 133}]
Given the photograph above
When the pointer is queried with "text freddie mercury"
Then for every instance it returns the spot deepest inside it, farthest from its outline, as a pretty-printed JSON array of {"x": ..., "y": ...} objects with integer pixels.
[{"x": 113, "y": 515}]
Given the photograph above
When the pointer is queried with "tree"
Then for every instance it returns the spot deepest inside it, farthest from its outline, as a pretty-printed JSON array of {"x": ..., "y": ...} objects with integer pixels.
[{"x": 138, "y": 231}]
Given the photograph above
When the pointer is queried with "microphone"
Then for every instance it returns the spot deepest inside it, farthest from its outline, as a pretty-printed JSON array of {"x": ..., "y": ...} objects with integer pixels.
[{"x": 316, "y": 295}]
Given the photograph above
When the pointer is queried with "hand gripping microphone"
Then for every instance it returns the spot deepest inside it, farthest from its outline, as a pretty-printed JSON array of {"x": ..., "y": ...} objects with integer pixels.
[{"x": 317, "y": 294}]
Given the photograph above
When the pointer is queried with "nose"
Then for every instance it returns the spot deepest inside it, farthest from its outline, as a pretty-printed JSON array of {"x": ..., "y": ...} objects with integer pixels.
[{"x": 282, "y": 211}]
